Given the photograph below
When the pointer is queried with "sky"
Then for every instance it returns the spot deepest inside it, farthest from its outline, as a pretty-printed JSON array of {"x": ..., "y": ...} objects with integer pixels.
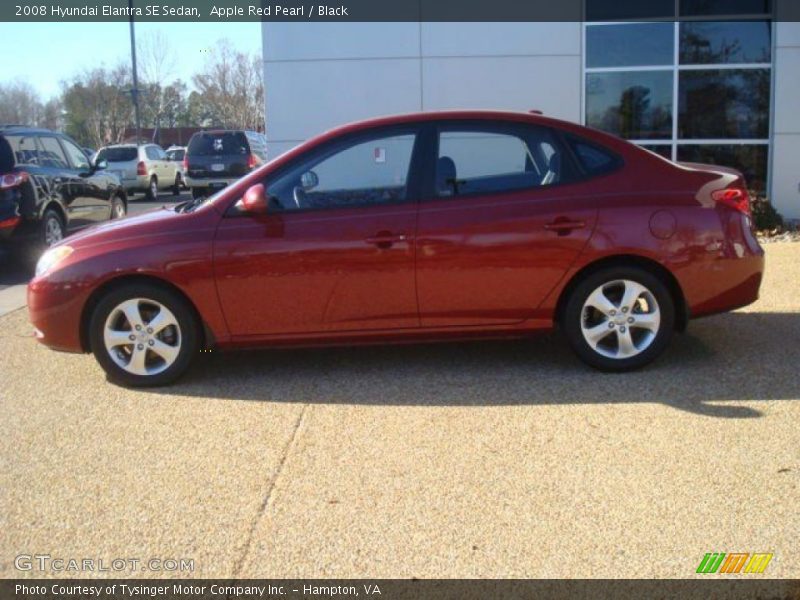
[{"x": 74, "y": 47}]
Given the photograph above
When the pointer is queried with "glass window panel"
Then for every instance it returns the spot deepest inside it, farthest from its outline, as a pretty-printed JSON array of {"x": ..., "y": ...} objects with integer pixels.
[
  {"x": 632, "y": 105},
  {"x": 665, "y": 151},
  {"x": 724, "y": 7},
  {"x": 751, "y": 160},
  {"x": 725, "y": 42},
  {"x": 731, "y": 103},
  {"x": 616, "y": 10},
  {"x": 627, "y": 45}
]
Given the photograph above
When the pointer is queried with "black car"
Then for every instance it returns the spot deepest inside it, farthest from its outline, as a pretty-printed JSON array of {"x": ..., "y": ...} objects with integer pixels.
[
  {"x": 49, "y": 187},
  {"x": 217, "y": 158}
]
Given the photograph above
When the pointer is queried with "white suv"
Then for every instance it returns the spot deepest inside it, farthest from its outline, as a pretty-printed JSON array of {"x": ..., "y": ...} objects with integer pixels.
[{"x": 143, "y": 168}]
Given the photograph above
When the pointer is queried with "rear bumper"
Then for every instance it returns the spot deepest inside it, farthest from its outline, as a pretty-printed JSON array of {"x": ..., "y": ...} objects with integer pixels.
[
  {"x": 727, "y": 279},
  {"x": 207, "y": 182}
]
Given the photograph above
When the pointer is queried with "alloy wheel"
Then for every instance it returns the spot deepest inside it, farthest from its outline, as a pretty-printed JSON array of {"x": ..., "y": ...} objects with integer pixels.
[
  {"x": 142, "y": 336},
  {"x": 53, "y": 231},
  {"x": 620, "y": 319}
]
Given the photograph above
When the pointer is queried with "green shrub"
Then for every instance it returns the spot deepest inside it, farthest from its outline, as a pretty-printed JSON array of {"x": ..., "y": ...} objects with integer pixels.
[{"x": 765, "y": 217}]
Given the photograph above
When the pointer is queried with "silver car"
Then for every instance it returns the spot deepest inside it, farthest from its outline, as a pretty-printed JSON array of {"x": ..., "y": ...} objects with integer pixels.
[
  {"x": 144, "y": 168},
  {"x": 176, "y": 154}
]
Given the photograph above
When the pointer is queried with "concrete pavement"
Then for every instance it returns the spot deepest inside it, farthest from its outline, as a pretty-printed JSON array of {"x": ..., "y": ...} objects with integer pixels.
[{"x": 492, "y": 459}]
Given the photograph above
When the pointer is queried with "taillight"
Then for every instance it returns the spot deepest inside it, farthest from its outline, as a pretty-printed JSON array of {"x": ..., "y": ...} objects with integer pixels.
[
  {"x": 141, "y": 169},
  {"x": 10, "y": 223},
  {"x": 12, "y": 180},
  {"x": 185, "y": 163},
  {"x": 735, "y": 197},
  {"x": 251, "y": 162}
]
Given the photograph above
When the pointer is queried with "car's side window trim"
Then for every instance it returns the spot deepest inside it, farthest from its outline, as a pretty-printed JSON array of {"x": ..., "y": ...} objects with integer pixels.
[
  {"x": 501, "y": 127},
  {"x": 332, "y": 147}
]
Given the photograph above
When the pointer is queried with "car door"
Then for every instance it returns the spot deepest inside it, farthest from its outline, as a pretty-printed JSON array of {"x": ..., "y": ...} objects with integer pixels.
[
  {"x": 166, "y": 168},
  {"x": 500, "y": 224},
  {"x": 65, "y": 182},
  {"x": 94, "y": 185},
  {"x": 335, "y": 252}
]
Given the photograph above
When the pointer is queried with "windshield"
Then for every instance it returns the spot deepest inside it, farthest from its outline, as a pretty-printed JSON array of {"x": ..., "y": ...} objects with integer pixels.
[
  {"x": 120, "y": 154},
  {"x": 211, "y": 144}
]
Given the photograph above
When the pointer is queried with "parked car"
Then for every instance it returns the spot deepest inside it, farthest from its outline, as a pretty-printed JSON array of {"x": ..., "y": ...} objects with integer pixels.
[
  {"x": 144, "y": 168},
  {"x": 176, "y": 154},
  {"x": 49, "y": 187},
  {"x": 417, "y": 227},
  {"x": 215, "y": 159}
]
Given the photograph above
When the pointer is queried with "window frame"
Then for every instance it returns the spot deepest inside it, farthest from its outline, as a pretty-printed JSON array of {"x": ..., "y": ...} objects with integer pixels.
[
  {"x": 676, "y": 67},
  {"x": 334, "y": 146},
  {"x": 495, "y": 126}
]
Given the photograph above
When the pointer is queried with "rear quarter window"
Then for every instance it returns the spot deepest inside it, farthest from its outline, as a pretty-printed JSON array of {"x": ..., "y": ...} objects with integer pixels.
[
  {"x": 212, "y": 144},
  {"x": 18, "y": 150},
  {"x": 594, "y": 159}
]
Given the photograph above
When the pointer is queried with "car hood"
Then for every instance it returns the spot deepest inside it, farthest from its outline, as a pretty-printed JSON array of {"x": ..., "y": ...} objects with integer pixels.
[{"x": 156, "y": 222}]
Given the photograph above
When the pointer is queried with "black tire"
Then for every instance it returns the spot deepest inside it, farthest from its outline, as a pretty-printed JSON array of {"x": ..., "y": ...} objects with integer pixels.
[
  {"x": 186, "y": 318},
  {"x": 152, "y": 190},
  {"x": 118, "y": 208},
  {"x": 198, "y": 193},
  {"x": 176, "y": 189},
  {"x": 573, "y": 317},
  {"x": 51, "y": 227}
]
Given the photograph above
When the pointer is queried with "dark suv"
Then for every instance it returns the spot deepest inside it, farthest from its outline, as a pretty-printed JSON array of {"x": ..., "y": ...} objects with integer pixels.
[
  {"x": 49, "y": 187},
  {"x": 217, "y": 158}
]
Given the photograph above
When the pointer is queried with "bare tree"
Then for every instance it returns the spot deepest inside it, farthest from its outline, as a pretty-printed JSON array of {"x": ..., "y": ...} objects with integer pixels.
[
  {"x": 20, "y": 104},
  {"x": 96, "y": 108},
  {"x": 231, "y": 89},
  {"x": 157, "y": 63}
]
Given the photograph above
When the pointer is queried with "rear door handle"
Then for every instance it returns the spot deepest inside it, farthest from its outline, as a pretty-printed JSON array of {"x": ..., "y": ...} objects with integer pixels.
[
  {"x": 386, "y": 239},
  {"x": 564, "y": 226}
]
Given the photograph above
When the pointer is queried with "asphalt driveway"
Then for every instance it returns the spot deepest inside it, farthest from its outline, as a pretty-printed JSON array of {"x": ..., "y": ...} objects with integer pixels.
[{"x": 493, "y": 459}]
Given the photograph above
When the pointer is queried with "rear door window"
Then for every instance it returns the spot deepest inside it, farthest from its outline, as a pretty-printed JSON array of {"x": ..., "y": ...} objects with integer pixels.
[
  {"x": 217, "y": 144},
  {"x": 483, "y": 159},
  {"x": 52, "y": 155}
]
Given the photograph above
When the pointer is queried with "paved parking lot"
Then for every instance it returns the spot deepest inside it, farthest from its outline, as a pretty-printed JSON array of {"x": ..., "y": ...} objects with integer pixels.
[{"x": 492, "y": 459}]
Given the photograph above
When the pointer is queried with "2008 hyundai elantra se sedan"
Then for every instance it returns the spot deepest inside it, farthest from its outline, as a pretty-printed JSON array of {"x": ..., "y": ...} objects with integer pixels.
[{"x": 419, "y": 227}]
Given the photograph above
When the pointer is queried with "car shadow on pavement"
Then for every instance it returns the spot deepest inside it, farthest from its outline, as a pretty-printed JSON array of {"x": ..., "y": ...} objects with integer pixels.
[{"x": 734, "y": 357}]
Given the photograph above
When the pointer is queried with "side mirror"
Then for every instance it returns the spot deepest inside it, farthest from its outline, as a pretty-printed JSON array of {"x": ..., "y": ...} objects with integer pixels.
[
  {"x": 309, "y": 180},
  {"x": 100, "y": 165},
  {"x": 254, "y": 200}
]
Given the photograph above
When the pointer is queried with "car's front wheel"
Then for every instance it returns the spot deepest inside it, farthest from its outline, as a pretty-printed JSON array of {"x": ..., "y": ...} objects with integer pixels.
[
  {"x": 144, "y": 335},
  {"x": 176, "y": 188},
  {"x": 52, "y": 226},
  {"x": 117, "y": 208},
  {"x": 619, "y": 319}
]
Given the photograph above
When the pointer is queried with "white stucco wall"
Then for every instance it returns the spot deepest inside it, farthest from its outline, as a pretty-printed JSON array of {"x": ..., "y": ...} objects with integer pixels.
[{"x": 319, "y": 75}]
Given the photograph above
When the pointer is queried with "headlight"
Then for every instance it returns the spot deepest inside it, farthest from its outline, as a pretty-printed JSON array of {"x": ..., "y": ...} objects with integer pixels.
[{"x": 51, "y": 258}]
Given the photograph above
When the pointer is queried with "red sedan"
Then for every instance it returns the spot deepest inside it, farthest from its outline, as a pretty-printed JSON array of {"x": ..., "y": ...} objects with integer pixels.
[{"x": 420, "y": 227}]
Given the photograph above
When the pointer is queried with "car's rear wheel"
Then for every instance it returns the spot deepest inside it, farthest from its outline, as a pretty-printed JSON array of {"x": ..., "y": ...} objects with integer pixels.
[
  {"x": 152, "y": 189},
  {"x": 143, "y": 335},
  {"x": 52, "y": 226},
  {"x": 117, "y": 208},
  {"x": 176, "y": 189},
  {"x": 198, "y": 193},
  {"x": 619, "y": 319}
]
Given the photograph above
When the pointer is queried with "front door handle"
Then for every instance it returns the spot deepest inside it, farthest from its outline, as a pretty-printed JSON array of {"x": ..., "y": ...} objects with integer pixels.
[
  {"x": 562, "y": 226},
  {"x": 386, "y": 239}
]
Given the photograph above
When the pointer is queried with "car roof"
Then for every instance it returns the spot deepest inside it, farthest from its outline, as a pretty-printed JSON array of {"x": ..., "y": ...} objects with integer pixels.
[{"x": 26, "y": 129}]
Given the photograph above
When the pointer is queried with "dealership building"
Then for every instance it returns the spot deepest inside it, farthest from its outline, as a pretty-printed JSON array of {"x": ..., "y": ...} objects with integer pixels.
[{"x": 719, "y": 85}]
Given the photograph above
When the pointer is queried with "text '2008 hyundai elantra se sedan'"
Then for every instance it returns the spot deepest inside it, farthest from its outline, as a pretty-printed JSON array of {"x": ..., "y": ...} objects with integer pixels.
[{"x": 419, "y": 227}]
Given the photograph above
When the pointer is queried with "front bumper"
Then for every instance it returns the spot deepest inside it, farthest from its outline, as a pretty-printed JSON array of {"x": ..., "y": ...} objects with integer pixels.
[{"x": 55, "y": 311}]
